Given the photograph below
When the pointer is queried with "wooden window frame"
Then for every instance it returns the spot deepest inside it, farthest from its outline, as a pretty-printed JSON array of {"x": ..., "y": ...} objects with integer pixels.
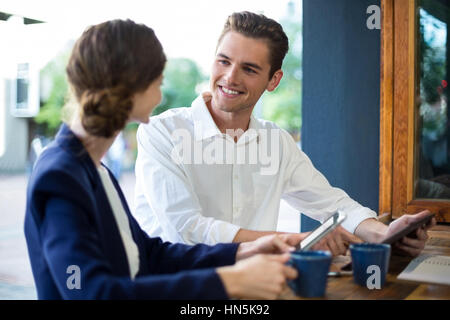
[{"x": 397, "y": 118}]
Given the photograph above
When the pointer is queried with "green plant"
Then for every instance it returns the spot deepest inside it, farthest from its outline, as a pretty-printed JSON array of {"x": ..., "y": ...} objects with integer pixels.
[
  {"x": 283, "y": 106},
  {"x": 181, "y": 78},
  {"x": 53, "y": 76}
]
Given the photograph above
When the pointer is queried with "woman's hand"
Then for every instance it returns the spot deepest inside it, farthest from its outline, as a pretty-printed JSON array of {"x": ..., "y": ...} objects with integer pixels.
[
  {"x": 274, "y": 243},
  {"x": 262, "y": 276}
]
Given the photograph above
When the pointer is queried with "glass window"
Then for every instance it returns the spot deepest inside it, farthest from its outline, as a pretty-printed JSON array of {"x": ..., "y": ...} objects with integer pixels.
[
  {"x": 22, "y": 86},
  {"x": 432, "y": 125}
]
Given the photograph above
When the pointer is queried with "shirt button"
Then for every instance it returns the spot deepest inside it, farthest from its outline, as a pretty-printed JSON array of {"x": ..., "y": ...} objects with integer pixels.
[{"x": 236, "y": 177}]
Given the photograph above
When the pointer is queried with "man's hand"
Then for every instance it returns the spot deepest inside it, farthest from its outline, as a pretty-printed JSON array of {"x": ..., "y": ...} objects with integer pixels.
[
  {"x": 337, "y": 242},
  {"x": 411, "y": 246}
]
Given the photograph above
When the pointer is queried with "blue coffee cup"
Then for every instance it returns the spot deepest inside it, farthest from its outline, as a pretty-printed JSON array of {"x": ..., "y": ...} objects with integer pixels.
[
  {"x": 312, "y": 268},
  {"x": 370, "y": 262}
]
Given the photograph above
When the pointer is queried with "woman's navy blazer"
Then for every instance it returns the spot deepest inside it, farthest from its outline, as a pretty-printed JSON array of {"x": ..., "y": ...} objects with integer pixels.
[{"x": 75, "y": 247}]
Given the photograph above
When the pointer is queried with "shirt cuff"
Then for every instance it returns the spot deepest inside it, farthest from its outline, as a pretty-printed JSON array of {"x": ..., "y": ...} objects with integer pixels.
[
  {"x": 356, "y": 216},
  {"x": 221, "y": 232}
]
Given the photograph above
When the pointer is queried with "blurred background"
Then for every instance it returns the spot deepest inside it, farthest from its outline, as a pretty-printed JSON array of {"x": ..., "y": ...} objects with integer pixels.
[{"x": 37, "y": 38}]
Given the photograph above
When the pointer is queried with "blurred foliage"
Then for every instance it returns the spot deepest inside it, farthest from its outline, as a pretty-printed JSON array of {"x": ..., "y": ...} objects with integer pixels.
[
  {"x": 283, "y": 106},
  {"x": 432, "y": 59},
  {"x": 53, "y": 77},
  {"x": 181, "y": 78}
]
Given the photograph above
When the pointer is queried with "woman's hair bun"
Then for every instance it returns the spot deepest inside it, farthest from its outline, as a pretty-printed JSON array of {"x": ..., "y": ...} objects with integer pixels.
[{"x": 104, "y": 112}]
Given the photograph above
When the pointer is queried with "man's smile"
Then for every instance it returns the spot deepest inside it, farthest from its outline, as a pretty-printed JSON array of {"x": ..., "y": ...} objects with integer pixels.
[{"x": 228, "y": 92}]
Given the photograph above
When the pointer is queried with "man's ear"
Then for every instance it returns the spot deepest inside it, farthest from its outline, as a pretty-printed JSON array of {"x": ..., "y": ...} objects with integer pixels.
[{"x": 276, "y": 78}]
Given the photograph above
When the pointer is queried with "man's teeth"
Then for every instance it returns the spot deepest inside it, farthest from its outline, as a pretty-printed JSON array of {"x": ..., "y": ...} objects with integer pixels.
[{"x": 229, "y": 91}]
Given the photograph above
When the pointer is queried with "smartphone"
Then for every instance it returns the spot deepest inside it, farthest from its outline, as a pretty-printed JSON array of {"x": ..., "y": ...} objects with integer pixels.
[
  {"x": 325, "y": 228},
  {"x": 409, "y": 230}
]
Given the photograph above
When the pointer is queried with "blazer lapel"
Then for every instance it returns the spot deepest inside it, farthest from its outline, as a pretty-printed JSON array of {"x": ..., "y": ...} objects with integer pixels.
[
  {"x": 108, "y": 229},
  {"x": 136, "y": 230},
  {"x": 111, "y": 238}
]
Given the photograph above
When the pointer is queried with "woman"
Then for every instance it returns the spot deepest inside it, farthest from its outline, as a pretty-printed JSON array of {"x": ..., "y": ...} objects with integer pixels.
[{"x": 83, "y": 242}]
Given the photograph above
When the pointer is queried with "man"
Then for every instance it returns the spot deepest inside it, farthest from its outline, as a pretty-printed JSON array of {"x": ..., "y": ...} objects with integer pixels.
[{"x": 213, "y": 173}]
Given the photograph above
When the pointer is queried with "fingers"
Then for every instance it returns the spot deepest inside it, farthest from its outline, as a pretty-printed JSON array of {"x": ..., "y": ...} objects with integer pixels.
[
  {"x": 418, "y": 216},
  {"x": 269, "y": 244},
  {"x": 289, "y": 272},
  {"x": 422, "y": 231},
  {"x": 432, "y": 224},
  {"x": 293, "y": 239},
  {"x": 280, "y": 245},
  {"x": 340, "y": 240},
  {"x": 413, "y": 243},
  {"x": 263, "y": 276},
  {"x": 336, "y": 243},
  {"x": 422, "y": 234},
  {"x": 410, "y": 251},
  {"x": 322, "y": 245},
  {"x": 405, "y": 219},
  {"x": 412, "y": 247},
  {"x": 280, "y": 272},
  {"x": 282, "y": 258},
  {"x": 329, "y": 244},
  {"x": 333, "y": 247},
  {"x": 349, "y": 237},
  {"x": 276, "y": 287},
  {"x": 342, "y": 246},
  {"x": 423, "y": 213}
]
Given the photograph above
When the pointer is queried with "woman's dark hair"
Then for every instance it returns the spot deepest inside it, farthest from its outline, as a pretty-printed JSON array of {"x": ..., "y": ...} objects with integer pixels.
[{"x": 109, "y": 63}]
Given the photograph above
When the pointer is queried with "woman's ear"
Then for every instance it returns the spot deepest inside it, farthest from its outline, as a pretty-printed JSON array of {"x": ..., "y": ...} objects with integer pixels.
[{"x": 276, "y": 78}]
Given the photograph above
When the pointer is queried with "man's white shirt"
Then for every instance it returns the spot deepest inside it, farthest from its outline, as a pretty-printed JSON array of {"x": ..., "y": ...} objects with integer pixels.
[{"x": 195, "y": 184}]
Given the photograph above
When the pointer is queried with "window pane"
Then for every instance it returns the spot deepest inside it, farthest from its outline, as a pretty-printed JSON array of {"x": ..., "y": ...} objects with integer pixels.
[
  {"x": 433, "y": 135},
  {"x": 22, "y": 86}
]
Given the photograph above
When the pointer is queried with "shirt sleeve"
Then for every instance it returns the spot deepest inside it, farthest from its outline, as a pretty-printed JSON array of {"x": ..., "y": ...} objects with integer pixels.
[
  {"x": 164, "y": 190},
  {"x": 175, "y": 257},
  {"x": 307, "y": 190}
]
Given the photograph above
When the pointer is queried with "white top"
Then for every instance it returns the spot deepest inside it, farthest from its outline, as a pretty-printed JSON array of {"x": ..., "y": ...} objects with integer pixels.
[
  {"x": 196, "y": 185},
  {"x": 122, "y": 222}
]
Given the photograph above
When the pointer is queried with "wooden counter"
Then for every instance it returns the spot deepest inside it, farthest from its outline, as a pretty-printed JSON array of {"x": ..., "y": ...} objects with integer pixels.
[{"x": 343, "y": 288}]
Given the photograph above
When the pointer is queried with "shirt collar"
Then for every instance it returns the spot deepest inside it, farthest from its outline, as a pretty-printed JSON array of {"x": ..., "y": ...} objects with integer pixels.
[
  {"x": 205, "y": 127},
  {"x": 253, "y": 130}
]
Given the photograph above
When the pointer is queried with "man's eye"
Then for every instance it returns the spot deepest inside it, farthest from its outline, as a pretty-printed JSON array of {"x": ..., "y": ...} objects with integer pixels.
[
  {"x": 224, "y": 62},
  {"x": 249, "y": 70}
]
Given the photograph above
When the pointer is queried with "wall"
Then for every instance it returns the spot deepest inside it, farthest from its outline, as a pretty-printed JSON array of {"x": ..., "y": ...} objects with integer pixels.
[
  {"x": 33, "y": 44},
  {"x": 14, "y": 133},
  {"x": 341, "y": 95}
]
